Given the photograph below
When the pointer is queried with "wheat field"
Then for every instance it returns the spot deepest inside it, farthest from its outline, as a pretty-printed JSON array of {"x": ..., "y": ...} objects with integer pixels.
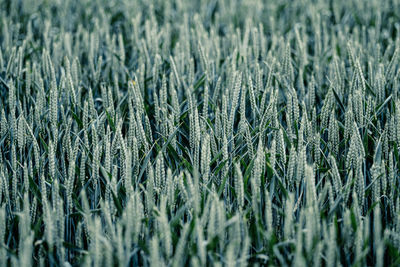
[{"x": 199, "y": 133}]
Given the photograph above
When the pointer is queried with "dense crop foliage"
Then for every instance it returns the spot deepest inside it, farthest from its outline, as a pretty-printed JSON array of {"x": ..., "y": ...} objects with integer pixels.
[{"x": 226, "y": 133}]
